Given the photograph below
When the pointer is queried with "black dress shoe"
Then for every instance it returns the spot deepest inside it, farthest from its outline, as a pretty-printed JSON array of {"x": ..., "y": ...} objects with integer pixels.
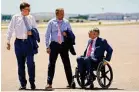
[
  {"x": 83, "y": 86},
  {"x": 92, "y": 86},
  {"x": 68, "y": 86},
  {"x": 73, "y": 85},
  {"x": 22, "y": 88},
  {"x": 33, "y": 86}
]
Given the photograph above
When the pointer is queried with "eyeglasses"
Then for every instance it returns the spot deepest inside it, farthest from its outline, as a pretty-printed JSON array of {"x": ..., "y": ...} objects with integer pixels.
[{"x": 27, "y": 9}]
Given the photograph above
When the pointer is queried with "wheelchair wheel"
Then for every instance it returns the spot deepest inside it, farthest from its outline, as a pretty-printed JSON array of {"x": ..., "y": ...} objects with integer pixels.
[
  {"x": 104, "y": 75},
  {"x": 78, "y": 76}
]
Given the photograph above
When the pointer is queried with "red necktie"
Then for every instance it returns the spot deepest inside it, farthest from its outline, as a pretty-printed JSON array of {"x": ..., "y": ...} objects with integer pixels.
[{"x": 89, "y": 49}]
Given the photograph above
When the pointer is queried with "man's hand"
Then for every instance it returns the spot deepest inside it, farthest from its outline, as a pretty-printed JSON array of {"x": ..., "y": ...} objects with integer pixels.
[
  {"x": 8, "y": 46},
  {"x": 64, "y": 34},
  {"x": 105, "y": 62},
  {"x": 48, "y": 50},
  {"x": 29, "y": 33}
]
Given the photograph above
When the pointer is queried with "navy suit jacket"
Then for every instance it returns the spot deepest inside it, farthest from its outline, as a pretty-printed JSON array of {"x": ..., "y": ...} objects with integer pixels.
[
  {"x": 70, "y": 41},
  {"x": 70, "y": 36},
  {"x": 101, "y": 46},
  {"x": 34, "y": 39},
  {"x": 35, "y": 34}
]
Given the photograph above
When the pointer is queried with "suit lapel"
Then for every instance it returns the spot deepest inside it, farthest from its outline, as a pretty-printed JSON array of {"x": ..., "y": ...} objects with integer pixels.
[
  {"x": 88, "y": 43},
  {"x": 97, "y": 42}
]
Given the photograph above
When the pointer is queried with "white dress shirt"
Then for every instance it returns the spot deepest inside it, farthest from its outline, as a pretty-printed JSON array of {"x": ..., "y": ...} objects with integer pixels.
[
  {"x": 93, "y": 47},
  {"x": 17, "y": 25}
]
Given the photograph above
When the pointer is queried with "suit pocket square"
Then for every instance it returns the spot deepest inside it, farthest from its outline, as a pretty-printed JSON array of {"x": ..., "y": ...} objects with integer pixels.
[{"x": 98, "y": 47}]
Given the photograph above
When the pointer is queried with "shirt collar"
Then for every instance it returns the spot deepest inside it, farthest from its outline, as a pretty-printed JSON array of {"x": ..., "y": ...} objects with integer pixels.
[
  {"x": 23, "y": 16},
  {"x": 95, "y": 39},
  {"x": 59, "y": 21}
]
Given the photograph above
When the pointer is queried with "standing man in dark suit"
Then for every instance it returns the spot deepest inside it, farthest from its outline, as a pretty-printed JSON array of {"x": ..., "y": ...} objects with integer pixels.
[
  {"x": 23, "y": 48},
  {"x": 93, "y": 54},
  {"x": 56, "y": 45}
]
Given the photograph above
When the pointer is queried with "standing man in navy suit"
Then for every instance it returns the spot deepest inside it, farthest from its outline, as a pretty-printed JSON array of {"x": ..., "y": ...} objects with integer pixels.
[
  {"x": 93, "y": 54},
  {"x": 23, "y": 48}
]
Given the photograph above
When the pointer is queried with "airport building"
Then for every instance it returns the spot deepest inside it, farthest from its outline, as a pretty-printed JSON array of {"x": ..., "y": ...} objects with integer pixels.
[{"x": 106, "y": 16}]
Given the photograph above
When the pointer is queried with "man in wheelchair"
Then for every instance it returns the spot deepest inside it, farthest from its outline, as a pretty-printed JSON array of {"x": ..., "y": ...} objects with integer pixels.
[{"x": 93, "y": 55}]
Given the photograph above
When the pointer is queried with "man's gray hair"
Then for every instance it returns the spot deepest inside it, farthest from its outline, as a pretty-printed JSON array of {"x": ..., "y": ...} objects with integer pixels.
[
  {"x": 95, "y": 30},
  {"x": 58, "y": 9}
]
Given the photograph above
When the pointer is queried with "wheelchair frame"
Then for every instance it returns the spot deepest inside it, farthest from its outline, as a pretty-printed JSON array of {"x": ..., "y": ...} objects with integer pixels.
[{"x": 101, "y": 73}]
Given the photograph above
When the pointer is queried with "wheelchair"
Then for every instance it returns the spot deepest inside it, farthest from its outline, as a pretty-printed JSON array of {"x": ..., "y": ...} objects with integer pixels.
[{"x": 103, "y": 72}]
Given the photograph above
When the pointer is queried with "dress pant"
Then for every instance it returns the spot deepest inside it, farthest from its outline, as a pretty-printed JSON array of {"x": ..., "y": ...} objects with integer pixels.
[
  {"x": 24, "y": 54},
  {"x": 86, "y": 66},
  {"x": 61, "y": 49}
]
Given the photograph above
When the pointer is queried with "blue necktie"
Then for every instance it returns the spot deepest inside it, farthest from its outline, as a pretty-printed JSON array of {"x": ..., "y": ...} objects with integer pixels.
[{"x": 26, "y": 23}]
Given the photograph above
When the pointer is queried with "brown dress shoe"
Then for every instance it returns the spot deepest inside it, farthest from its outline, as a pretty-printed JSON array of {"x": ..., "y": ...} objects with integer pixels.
[{"x": 49, "y": 87}]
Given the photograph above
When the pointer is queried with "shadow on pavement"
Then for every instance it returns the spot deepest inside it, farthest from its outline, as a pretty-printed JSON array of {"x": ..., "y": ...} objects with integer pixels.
[
  {"x": 40, "y": 90},
  {"x": 73, "y": 89},
  {"x": 104, "y": 89}
]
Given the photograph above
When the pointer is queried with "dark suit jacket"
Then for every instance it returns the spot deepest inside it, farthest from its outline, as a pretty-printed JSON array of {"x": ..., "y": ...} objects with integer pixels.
[
  {"x": 35, "y": 34},
  {"x": 101, "y": 46},
  {"x": 34, "y": 39},
  {"x": 70, "y": 41}
]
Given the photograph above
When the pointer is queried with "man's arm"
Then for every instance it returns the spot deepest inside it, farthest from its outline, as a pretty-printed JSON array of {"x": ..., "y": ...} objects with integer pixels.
[
  {"x": 11, "y": 29},
  {"x": 109, "y": 50},
  {"x": 35, "y": 32},
  {"x": 71, "y": 33},
  {"x": 86, "y": 48},
  {"x": 34, "y": 23},
  {"x": 47, "y": 36},
  {"x": 68, "y": 25}
]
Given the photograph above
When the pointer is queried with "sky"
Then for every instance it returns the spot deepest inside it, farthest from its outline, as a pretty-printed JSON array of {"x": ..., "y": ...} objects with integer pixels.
[{"x": 73, "y": 6}]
